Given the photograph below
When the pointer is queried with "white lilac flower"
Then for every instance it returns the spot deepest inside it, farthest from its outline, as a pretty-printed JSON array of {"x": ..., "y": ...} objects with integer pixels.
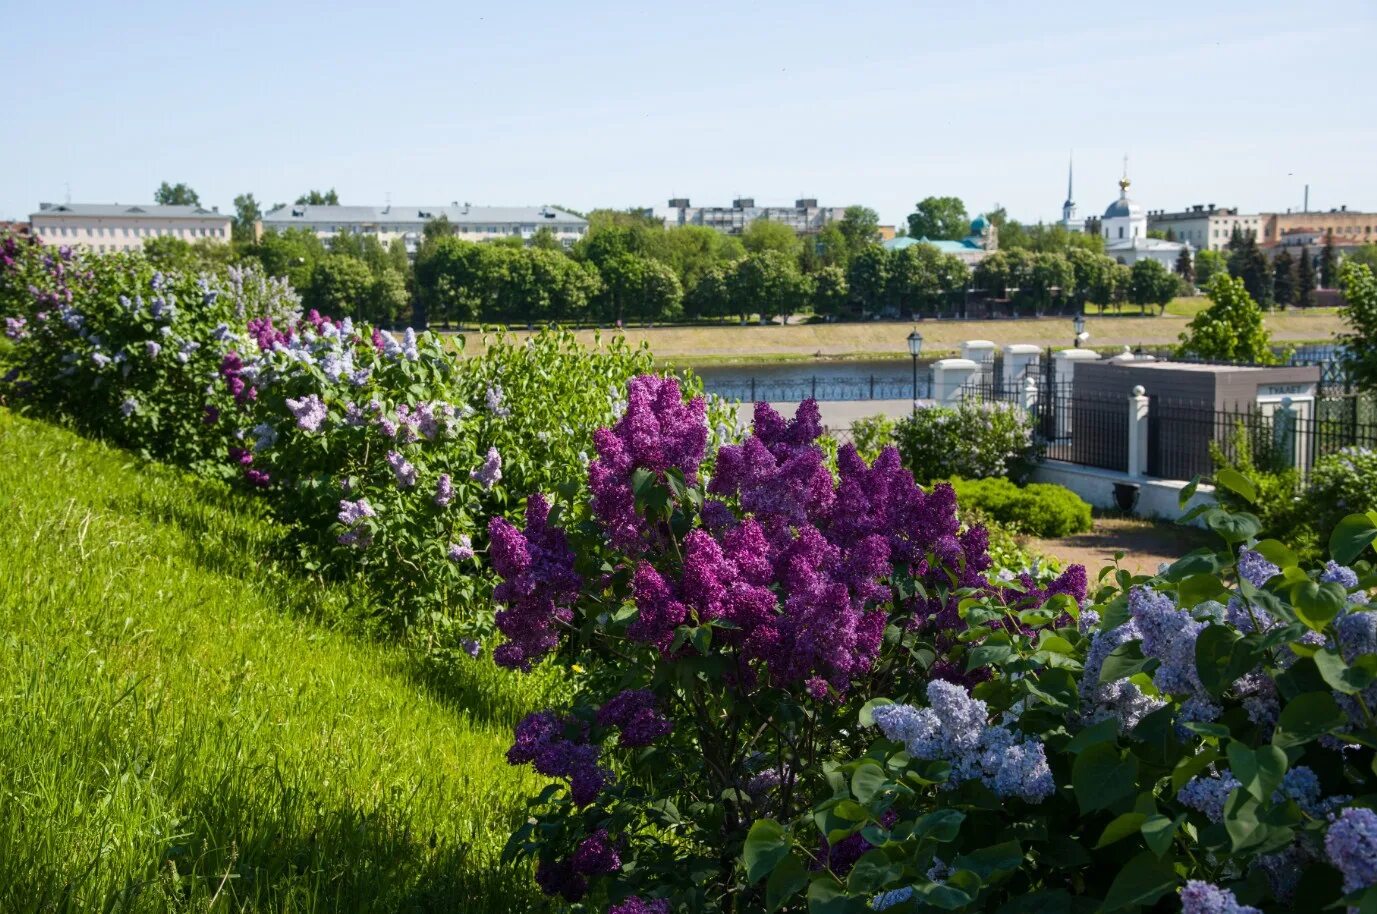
[
  {"x": 493, "y": 399},
  {"x": 186, "y": 349},
  {"x": 128, "y": 406},
  {"x": 409, "y": 349},
  {"x": 264, "y": 435},
  {"x": 152, "y": 348},
  {"x": 101, "y": 359},
  {"x": 165, "y": 331}
]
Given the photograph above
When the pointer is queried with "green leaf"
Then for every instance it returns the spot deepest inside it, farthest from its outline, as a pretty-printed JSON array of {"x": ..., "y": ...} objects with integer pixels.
[
  {"x": 867, "y": 718},
  {"x": 1345, "y": 678},
  {"x": 1187, "y": 492},
  {"x": 868, "y": 780},
  {"x": 1236, "y": 482},
  {"x": 1234, "y": 527},
  {"x": 766, "y": 846},
  {"x": 1221, "y": 656},
  {"x": 1123, "y": 661},
  {"x": 942, "y": 825},
  {"x": 1158, "y": 831},
  {"x": 1104, "y": 731},
  {"x": 1142, "y": 881},
  {"x": 788, "y": 879},
  {"x": 946, "y": 897},
  {"x": 1127, "y": 824},
  {"x": 1101, "y": 776},
  {"x": 1278, "y": 553},
  {"x": 1317, "y": 604},
  {"x": 1351, "y": 537},
  {"x": 827, "y": 896},
  {"x": 1198, "y": 588},
  {"x": 1308, "y": 717},
  {"x": 1259, "y": 771},
  {"x": 987, "y": 861},
  {"x": 873, "y": 871}
]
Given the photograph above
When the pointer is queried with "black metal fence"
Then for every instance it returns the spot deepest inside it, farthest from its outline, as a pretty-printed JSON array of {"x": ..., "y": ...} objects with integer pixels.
[
  {"x": 1184, "y": 438},
  {"x": 819, "y": 387}
]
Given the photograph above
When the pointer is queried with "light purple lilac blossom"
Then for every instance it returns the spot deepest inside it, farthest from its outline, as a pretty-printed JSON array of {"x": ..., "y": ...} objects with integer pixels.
[
  {"x": 1202, "y": 898},
  {"x": 1208, "y": 793},
  {"x": 402, "y": 469},
  {"x": 1351, "y": 846},
  {"x": 490, "y": 473},
  {"x": 310, "y": 412},
  {"x": 1254, "y": 568},
  {"x": 494, "y": 401},
  {"x": 444, "y": 490},
  {"x": 462, "y": 550}
]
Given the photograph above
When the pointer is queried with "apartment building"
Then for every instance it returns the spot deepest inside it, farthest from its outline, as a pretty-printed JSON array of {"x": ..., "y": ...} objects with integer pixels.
[
  {"x": 805, "y": 217},
  {"x": 387, "y": 223},
  {"x": 105, "y": 228},
  {"x": 1349, "y": 227},
  {"x": 1207, "y": 227}
]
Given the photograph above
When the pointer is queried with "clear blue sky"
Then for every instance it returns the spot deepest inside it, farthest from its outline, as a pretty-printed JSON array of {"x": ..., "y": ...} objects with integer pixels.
[{"x": 619, "y": 104}]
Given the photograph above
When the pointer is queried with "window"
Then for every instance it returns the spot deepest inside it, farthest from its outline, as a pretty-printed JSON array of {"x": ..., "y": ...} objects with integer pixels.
[{"x": 1121, "y": 231}]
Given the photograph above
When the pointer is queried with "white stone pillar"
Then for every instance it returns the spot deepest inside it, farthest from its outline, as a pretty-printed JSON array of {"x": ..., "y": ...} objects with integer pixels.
[
  {"x": 1062, "y": 376},
  {"x": 982, "y": 353},
  {"x": 1020, "y": 359},
  {"x": 948, "y": 377},
  {"x": 1030, "y": 393},
  {"x": 1137, "y": 432},
  {"x": 1065, "y": 362}
]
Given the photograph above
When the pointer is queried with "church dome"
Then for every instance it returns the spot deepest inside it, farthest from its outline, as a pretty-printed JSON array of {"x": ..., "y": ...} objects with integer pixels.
[
  {"x": 1123, "y": 208},
  {"x": 979, "y": 225}
]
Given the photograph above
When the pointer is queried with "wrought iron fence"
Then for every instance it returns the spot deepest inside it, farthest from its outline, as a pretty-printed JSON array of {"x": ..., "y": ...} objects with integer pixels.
[{"x": 819, "y": 387}]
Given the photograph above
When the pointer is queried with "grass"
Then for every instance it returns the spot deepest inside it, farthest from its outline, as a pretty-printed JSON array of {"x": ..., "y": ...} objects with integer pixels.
[
  {"x": 185, "y": 727},
  {"x": 687, "y": 346}
]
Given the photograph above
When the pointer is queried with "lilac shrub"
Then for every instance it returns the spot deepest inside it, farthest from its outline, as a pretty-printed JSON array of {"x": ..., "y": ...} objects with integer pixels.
[{"x": 732, "y": 606}]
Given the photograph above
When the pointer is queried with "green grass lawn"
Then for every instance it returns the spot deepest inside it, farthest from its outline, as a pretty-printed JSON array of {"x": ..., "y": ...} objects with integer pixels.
[{"x": 184, "y": 727}]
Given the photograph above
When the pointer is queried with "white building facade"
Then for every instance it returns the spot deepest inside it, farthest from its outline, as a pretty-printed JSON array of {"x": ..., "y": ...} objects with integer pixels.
[
  {"x": 107, "y": 228},
  {"x": 388, "y": 223},
  {"x": 1124, "y": 228},
  {"x": 805, "y": 217},
  {"x": 1207, "y": 227}
]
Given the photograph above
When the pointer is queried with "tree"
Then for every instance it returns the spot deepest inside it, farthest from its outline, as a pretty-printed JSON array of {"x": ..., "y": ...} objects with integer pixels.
[
  {"x": 1049, "y": 275},
  {"x": 939, "y": 218},
  {"x": 247, "y": 212},
  {"x": 859, "y": 226},
  {"x": 178, "y": 194},
  {"x": 830, "y": 292},
  {"x": 1094, "y": 279},
  {"x": 1305, "y": 279},
  {"x": 1150, "y": 283},
  {"x": 316, "y": 198},
  {"x": 693, "y": 251},
  {"x": 292, "y": 253},
  {"x": 994, "y": 275},
  {"x": 1284, "y": 279},
  {"x": 709, "y": 296},
  {"x": 1184, "y": 267},
  {"x": 913, "y": 277},
  {"x": 764, "y": 235},
  {"x": 868, "y": 278},
  {"x": 545, "y": 239},
  {"x": 767, "y": 283},
  {"x": 827, "y": 248},
  {"x": 341, "y": 285},
  {"x": 1328, "y": 262},
  {"x": 1231, "y": 328},
  {"x": 1248, "y": 263},
  {"x": 388, "y": 298},
  {"x": 1359, "y": 313},
  {"x": 642, "y": 284},
  {"x": 1207, "y": 265},
  {"x": 1365, "y": 254}
]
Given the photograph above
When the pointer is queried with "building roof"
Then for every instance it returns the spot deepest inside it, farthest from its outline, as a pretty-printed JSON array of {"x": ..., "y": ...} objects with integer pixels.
[
  {"x": 946, "y": 247},
  {"x": 126, "y": 211},
  {"x": 302, "y": 214},
  {"x": 1123, "y": 208}
]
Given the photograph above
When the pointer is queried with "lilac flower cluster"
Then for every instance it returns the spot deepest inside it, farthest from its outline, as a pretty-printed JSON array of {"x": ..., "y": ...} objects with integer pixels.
[
  {"x": 635, "y": 713},
  {"x": 1118, "y": 698},
  {"x": 16, "y": 328},
  {"x": 490, "y": 473},
  {"x": 637, "y": 905},
  {"x": 350, "y": 514},
  {"x": 1202, "y": 898},
  {"x": 657, "y": 432},
  {"x": 539, "y": 584},
  {"x": 402, "y": 469},
  {"x": 1254, "y": 568},
  {"x": 1351, "y": 845},
  {"x": 310, "y": 412},
  {"x": 444, "y": 490},
  {"x": 1207, "y": 794},
  {"x": 955, "y": 728},
  {"x": 462, "y": 550},
  {"x": 542, "y": 741},
  {"x": 494, "y": 401}
]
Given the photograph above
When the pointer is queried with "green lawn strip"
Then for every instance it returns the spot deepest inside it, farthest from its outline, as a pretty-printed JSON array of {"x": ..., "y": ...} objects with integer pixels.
[{"x": 177, "y": 725}]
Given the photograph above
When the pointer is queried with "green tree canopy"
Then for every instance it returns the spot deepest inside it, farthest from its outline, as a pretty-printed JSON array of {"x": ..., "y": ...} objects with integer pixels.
[
  {"x": 1150, "y": 283},
  {"x": 938, "y": 219},
  {"x": 859, "y": 226},
  {"x": 1328, "y": 263},
  {"x": 1231, "y": 329},
  {"x": 868, "y": 278},
  {"x": 830, "y": 292},
  {"x": 292, "y": 253},
  {"x": 1208, "y": 264},
  {"x": 1305, "y": 279},
  {"x": 341, "y": 285},
  {"x": 767, "y": 283},
  {"x": 247, "y": 212},
  {"x": 178, "y": 194},
  {"x": 1359, "y": 314},
  {"x": 763, "y": 235},
  {"x": 316, "y": 198},
  {"x": 1284, "y": 279}
]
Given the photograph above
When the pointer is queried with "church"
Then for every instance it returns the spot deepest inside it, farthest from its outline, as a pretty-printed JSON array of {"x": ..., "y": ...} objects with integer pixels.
[{"x": 1124, "y": 228}]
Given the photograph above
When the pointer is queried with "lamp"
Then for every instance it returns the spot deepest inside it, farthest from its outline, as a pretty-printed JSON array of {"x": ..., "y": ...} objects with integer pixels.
[
  {"x": 915, "y": 349},
  {"x": 1078, "y": 322}
]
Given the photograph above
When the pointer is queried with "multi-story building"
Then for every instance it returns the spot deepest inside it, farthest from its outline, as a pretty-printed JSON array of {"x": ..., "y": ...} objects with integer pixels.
[
  {"x": 1348, "y": 227},
  {"x": 1207, "y": 227},
  {"x": 109, "y": 227},
  {"x": 387, "y": 223},
  {"x": 805, "y": 217}
]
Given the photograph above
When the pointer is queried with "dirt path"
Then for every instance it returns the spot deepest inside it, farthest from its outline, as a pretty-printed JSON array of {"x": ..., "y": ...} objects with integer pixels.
[{"x": 1145, "y": 544}]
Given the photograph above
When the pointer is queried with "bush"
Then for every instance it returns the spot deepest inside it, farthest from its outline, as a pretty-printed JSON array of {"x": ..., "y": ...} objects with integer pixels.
[
  {"x": 730, "y": 631},
  {"x": 1341, "y": 483},
  {"x": 972, "y": 441},
  {"x": 871, "y": 435},
  {"x": 1038, "y": 509},
  {"x": 1206, "y": 732}
]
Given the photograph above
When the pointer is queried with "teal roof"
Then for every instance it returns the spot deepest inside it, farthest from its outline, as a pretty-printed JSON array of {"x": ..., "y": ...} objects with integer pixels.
[
  {"x": 979, "y": 225},
  {"x": 946, "y": 247}
]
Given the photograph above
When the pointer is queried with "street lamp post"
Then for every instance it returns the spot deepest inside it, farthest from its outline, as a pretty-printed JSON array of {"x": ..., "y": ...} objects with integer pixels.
[
  {"x": 915, "y": 349},
  {"x": 1079, "y": 323}
]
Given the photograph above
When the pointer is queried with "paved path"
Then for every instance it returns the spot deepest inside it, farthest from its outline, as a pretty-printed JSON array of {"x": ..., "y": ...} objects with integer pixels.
[{"x": 1145, "y": 544}]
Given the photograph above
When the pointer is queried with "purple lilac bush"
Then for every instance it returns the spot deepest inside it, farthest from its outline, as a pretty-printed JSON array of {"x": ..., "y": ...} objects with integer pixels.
[{"x": 733, "y": 608}]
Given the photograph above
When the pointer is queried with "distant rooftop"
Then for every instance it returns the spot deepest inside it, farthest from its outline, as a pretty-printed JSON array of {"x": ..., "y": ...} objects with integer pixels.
[
  {"x": 127, "y": 210},
  {"x": 398, "y": 214}
]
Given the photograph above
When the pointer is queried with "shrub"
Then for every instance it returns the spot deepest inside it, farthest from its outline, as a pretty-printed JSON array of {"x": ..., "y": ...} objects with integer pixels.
[
  {"x": 971, "y": 440},
  {"x": 871, "y": 435},
  {"x": 1037, "y": 509},
  {"x": 728, "y": 628},
  {"x": 1341, "y": 483},
  {"x": 1208, "y": 731}
]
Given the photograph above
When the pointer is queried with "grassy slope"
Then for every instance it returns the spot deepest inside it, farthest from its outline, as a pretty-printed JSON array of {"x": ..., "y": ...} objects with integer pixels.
[
  {"x": 887, "y": 339},
  {"x": 178, "y": 725}
]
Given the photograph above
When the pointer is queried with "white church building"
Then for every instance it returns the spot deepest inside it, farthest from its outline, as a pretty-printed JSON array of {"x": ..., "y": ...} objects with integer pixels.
[{"x": 1124, "y": 228}]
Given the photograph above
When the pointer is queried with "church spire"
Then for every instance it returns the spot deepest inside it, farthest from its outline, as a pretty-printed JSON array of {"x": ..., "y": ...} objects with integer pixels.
[
  {"x": 1124, "y": 182},
  {"x": 1070, "y": 170}
]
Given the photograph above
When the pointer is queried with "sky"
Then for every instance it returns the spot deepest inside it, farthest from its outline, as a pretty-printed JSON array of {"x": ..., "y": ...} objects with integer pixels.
[{"x": 611, "y": 104}]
